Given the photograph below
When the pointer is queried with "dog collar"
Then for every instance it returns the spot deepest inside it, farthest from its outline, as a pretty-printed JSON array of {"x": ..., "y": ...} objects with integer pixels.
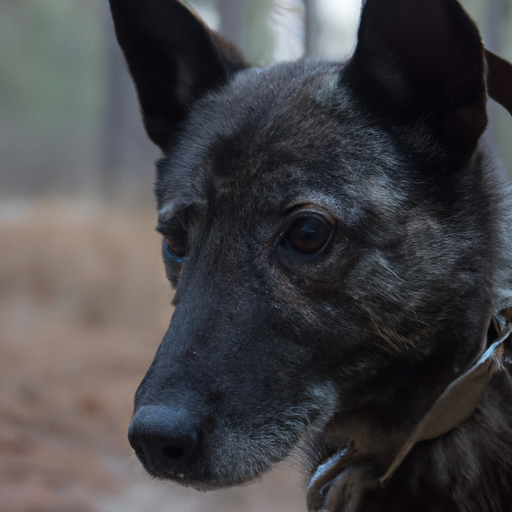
[
  {"x": 456, "y": 404},
  {"x": 459, "y": 400}
]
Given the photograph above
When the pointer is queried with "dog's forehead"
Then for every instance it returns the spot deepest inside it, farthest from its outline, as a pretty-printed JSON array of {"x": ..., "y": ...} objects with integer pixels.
[{"x": 269, "y": 136}]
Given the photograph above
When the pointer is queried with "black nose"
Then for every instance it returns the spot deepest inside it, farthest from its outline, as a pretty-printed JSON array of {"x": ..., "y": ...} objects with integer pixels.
[{"x": 164, "y": 439}]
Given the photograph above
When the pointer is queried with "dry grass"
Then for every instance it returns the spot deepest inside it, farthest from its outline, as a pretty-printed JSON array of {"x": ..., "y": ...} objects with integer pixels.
[{"x": 83, "y": 305}]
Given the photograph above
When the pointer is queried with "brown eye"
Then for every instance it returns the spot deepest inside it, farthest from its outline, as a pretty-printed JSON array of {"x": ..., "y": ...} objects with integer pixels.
[{"x": 309, "y": 234}]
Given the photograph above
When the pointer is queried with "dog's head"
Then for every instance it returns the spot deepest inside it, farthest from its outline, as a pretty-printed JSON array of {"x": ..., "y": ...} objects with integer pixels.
[{"x": 329, "y": 229}]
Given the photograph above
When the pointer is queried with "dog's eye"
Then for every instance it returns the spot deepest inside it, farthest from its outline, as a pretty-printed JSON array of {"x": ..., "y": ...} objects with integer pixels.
[
  {"x": 309, "y": 234},
  {"x": 172, "y": 251}
]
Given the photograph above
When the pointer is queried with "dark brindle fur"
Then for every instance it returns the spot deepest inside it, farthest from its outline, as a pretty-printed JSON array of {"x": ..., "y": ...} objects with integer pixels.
[{"x": 378, "y": 164}]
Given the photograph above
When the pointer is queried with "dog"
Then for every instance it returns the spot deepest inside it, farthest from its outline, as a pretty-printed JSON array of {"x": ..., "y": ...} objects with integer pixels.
[{"x": 339, "y": 236}]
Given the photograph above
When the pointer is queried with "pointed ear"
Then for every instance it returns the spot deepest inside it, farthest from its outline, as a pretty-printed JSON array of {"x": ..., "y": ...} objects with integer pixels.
[
  {"x": 423, "y": 59},
  {"x": 173, "y": 59}
]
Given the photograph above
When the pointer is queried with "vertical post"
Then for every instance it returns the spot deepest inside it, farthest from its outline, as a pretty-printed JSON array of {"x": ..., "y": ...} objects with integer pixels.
[
  {"x": 311, "y": 29},
  {"x": 125, "y": 151},
  {"x": 113, "y": 136},
  {"x": 244, "y": 23},
  {"x": 231, "y": 13},
  {"x": 493, "y": 29}
]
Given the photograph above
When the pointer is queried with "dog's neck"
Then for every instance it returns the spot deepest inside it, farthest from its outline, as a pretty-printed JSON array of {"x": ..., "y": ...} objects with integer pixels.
[{"x": 358, "y": 461}]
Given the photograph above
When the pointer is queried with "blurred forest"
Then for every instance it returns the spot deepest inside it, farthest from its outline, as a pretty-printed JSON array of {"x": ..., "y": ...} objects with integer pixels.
[
  {"x": 69, "y": 121},
  {"x": 83, "y": 297}
]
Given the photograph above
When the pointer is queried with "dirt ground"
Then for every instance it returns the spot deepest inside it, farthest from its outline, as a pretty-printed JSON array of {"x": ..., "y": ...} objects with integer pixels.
[{"x": 83, "y": 306}]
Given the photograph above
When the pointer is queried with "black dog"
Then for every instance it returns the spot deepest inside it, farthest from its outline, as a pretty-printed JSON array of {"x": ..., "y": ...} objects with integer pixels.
[{"x": 340, "y": 240}]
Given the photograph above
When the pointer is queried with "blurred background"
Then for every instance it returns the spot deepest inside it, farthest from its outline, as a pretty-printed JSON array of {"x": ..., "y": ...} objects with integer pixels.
[{"x": 83, "y": 299}]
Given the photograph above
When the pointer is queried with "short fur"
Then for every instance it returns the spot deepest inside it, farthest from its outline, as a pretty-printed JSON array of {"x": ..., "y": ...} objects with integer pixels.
[{"x": 270, "y": 348}]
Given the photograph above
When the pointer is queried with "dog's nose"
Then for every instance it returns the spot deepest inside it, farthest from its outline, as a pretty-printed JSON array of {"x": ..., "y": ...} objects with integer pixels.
[{"x": 163, "y": 438}]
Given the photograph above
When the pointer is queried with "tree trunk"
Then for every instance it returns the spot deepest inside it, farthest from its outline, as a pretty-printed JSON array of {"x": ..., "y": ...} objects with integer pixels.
[
  {"x": 311, "y": 29},
  {"x": 493, "y": 31},
  {"x": 232, "y": 14}
]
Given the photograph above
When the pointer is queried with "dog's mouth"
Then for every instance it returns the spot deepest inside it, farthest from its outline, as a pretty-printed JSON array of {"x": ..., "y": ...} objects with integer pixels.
[
  {"x": 201, "y": 470},
  {"x": 207, "y": 484},
  {"x": 198, "y": 480},
  {"x": 173, "y": 445}
]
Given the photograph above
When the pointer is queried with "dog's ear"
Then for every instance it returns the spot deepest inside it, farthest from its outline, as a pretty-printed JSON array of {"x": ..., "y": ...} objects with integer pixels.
[
  {"x": 423, "y": 59},
  {"x": 173, "y": 59}
]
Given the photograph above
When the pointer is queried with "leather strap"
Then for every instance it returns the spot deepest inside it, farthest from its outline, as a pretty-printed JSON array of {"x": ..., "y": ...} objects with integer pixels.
[
  {"x": 499, "y": 80},
  {"x": 456, "y": 404}
]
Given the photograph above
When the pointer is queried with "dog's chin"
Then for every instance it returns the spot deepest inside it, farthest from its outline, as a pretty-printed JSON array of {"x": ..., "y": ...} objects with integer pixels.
[
  {"x": 203, "y": 476},
  {"x": 203, "y": 484},
  {"x": 212, "y": 485}
]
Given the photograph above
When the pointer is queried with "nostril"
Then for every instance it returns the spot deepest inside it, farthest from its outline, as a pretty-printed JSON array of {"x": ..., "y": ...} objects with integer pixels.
[{"x": 173, "y": 452}]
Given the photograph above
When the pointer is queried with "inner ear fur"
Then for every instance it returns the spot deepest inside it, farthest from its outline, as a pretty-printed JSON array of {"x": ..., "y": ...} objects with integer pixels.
[
  {"x": 423, "y": 59},
  {"x": 173, "y": 59}
]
